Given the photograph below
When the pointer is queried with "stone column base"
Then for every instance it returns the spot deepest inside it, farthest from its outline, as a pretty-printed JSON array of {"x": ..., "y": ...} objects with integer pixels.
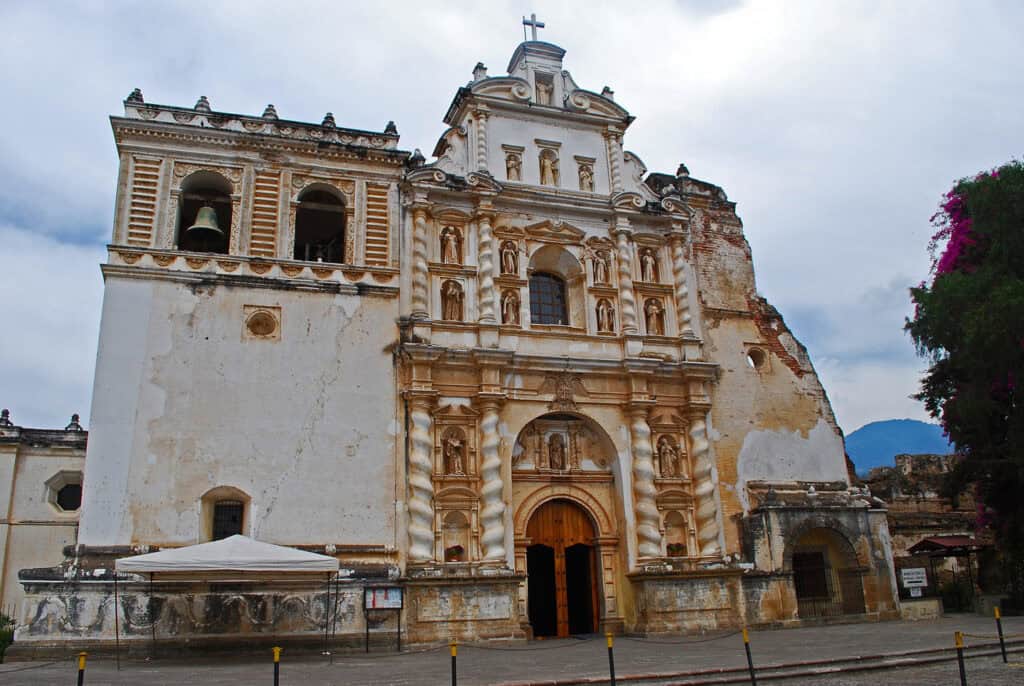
[{"x": 476, "y": 608}]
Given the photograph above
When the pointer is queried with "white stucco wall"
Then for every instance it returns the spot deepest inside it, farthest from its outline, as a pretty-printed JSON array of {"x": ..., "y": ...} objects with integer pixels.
[{"x": 183, "y": 403}]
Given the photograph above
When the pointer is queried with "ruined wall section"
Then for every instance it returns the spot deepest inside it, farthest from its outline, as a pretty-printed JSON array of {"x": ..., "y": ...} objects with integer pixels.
[{"x": 771, "y": 419}]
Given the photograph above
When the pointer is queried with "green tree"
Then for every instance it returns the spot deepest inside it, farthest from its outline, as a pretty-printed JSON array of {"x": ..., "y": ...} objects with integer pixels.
[{"x": 969, "y": 324}]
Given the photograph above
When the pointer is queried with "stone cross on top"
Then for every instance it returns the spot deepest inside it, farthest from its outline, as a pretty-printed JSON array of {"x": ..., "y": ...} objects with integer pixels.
[{"x": 533, "y": 24}]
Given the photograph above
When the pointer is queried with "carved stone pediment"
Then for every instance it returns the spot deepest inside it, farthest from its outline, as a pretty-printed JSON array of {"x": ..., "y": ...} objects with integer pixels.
[
  {"x": 513, "y": 232},
  {"x": 456, "y": 412},
  {"x": 666, "y": 421},
  {"x": 593, "y": 103},
  {"x": 559, "y": 232},
  {"x": 482, "y": 181},
  {"x": 430, "y": 175},
  {"x": 503, "y": 87},
  {"x": 565, "y": 387},
  {"x": 673, "y": 498}
]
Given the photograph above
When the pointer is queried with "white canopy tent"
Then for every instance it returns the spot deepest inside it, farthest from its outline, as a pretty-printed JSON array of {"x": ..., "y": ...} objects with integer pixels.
[
  {"x": 238, "y": 554},
  {"x": 233, "y": 554}
]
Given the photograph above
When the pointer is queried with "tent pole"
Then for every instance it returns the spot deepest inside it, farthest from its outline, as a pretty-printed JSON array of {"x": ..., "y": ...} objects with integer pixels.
[
  {"x": 117, "y": 629},
  {"x": 152, "y": 619}
]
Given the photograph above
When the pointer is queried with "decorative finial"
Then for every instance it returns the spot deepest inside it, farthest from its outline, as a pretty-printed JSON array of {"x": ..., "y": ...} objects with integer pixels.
[
  {"x": 479, "y": 72},
  {"x": 135, "y": 97},
  {"x": 533, "y": 24},
  {"x": 417, "y": 159},
  {"x": 328, "y": 122},
  {"x": 682, "y": 171},
  {"x": 202, "y": 104},
  {"x": 391, "y": 128},
  {"x": 608, "y": 93},
  {"x": 270, "y": 112},
  {"x": 5, "y": 417},
  {"x": 74, "y": 425},
  {"x": 812, "y": 491}
]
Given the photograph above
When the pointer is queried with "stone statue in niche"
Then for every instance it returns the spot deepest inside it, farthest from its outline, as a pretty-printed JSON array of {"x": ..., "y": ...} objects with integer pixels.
[
  {"x": 509, "y": 258},
  {"x": 544, "y": 91},
  {"x": 513, "y": 166},
  {"x": 586, "y": 178},
  {"x": 548, "y": 168},
  {"x": 654, "y": 314},
  {"x": 668, "y": 458},
  {"x": 556, "y": 452},
  {"x": 451, "y": 301},
  {"x": 605, "y": 315},
  {"x": 648, "y": 266},
  {"x": 601, "y": 267},
  {"x": 451, "y": 252},
  {"x": 510, "y": 307},
  {"x": 454, "y": 454}
]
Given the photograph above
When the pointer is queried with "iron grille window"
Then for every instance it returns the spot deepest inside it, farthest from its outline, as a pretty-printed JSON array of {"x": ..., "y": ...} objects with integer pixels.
[
  {"x": 227, "y": 518},
  {"x": 547, "y": 300}
]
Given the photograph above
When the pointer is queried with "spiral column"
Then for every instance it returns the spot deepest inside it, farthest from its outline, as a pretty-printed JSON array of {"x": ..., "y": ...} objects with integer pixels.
[
  {"x": 492, "y": 514},
  {"x": 648, "y": 534},
  {"x": 704, "y": 488},
  {"x": 421, "y": 487},
  {"x": 486, "y": 275},
  {"x": 481, "y": 140},
  {"x": 612, "y": 141},
  {"x": 420, "y": 302},
  {"x": 682, "y": 289},
  {"x": 627, "y": 301}
]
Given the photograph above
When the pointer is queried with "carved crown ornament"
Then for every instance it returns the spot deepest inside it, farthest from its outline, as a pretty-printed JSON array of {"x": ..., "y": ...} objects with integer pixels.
[{"x": 564, "y": 386}]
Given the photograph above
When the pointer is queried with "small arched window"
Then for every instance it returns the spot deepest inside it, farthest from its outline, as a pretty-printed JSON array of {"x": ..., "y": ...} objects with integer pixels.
[
  {"x": 227, "y": 518},
  {"x": 204, "y": 217},
  {"x": 547, "y": 299},
  {"x": 320, "y": 227}
]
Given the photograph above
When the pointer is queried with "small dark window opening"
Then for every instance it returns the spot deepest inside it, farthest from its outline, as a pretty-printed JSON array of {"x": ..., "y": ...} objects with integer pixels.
[
  {"x": 227, "y": 518},
  {"x": 547, "y": 299},
  {"x": 320, "y": 228},
  {"x": 69, "y": 497},
  {"x": 202, "y": 238}
]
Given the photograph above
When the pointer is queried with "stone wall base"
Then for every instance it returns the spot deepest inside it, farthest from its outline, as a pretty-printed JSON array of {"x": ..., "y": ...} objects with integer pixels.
[{"x": 443, "y": 608}]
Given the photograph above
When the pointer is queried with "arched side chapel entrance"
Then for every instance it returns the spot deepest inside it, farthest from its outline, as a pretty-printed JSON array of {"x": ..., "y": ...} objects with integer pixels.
[{"x": 565, "y": 526}]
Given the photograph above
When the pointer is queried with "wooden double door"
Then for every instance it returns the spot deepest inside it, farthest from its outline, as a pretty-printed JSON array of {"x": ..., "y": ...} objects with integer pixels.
[{"x": 561, "y": 567}]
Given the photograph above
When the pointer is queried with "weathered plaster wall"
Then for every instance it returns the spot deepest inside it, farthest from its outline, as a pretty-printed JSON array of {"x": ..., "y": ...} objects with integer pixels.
[
  {"x": 184, "y": 403},
  {"x": 772, "y": 422}
]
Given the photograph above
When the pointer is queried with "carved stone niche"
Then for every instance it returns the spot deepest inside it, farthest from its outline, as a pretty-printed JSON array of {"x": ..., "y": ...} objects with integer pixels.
[
  {"x": 671, "y": 458},
  {"x": 455, "y": 453},
  {"x": 561, "y": 443},
  {"x": 456, "y": 525},
  {"x": 678, "y": 533}
]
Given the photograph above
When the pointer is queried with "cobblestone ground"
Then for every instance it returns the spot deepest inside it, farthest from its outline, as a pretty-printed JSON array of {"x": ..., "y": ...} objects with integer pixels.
[{"x": 574, "y": 658}]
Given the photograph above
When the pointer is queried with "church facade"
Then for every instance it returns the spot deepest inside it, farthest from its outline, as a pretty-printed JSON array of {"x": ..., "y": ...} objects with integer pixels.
[{"x": 529, "y": 383}]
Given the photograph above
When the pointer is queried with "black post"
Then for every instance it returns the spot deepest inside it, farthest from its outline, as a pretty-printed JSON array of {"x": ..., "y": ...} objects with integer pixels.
[
  {"x": 454, "y": 648},
  {"x": 611, "y": 659},
  {"x": 81, "y": 668},
  {"x": 999, "y": 628},
  {"x": 750, "y": 659},
  {"x": 277, "y": 665},
  {"x": 959, "y": 637}
]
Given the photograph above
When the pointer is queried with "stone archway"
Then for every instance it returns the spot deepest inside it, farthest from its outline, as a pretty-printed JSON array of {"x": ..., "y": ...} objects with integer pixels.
[
  {"x": 826, "y": 573},
  {"x": 566, "y": 507}
]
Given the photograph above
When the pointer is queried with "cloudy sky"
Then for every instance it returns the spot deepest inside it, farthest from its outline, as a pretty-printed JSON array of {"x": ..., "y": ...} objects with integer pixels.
[{"x": 836, "y": 126}]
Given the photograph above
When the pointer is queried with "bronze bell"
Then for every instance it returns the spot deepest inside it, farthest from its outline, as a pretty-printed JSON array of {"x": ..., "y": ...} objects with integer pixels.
[{"x": 206, "y": 224}]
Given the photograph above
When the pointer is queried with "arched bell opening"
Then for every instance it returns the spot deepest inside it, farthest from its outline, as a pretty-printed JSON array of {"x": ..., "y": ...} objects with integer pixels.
[
  {"x": 562, "y": 570},
  {"x": 320, "y": 226},
  {"x": 204, "y": 213},
  {"x": 826, "y": 575}
]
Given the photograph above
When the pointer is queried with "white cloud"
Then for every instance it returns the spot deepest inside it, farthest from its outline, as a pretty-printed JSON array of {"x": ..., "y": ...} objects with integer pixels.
[{"x": 835, "y": 126}]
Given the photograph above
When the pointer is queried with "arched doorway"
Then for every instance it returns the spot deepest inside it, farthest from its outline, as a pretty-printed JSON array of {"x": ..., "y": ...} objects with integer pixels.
[
  {"x": 826, "y": 575},
  {"x": 561, "y": 567}
]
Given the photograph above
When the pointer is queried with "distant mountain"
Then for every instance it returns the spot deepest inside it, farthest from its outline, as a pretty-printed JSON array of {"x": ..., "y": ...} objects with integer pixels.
[{"x": 878, "y": 443}]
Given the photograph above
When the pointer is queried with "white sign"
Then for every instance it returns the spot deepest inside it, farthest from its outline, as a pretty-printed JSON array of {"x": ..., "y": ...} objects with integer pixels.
[
  {"x": 915, "y": 593},
  {"x": 914, "y": 577},
  {"x": 389, "y": 598}
]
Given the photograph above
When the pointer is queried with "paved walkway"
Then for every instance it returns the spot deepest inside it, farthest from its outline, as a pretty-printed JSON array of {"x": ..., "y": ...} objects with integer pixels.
[{"x": 569, "y": 659}]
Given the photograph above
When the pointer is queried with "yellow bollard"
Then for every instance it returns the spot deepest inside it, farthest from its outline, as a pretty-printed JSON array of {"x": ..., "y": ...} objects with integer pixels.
[
  {"x": 81, "y": 667},
  {"x": 453, "y": 646},
  {"x": 999, "y": 628},
  {"x": 611, "y": 659},
  {"x": 750, "y": 658},
  {"x": 958, "y": 638},
  {"x": 277, "y": 665}
]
